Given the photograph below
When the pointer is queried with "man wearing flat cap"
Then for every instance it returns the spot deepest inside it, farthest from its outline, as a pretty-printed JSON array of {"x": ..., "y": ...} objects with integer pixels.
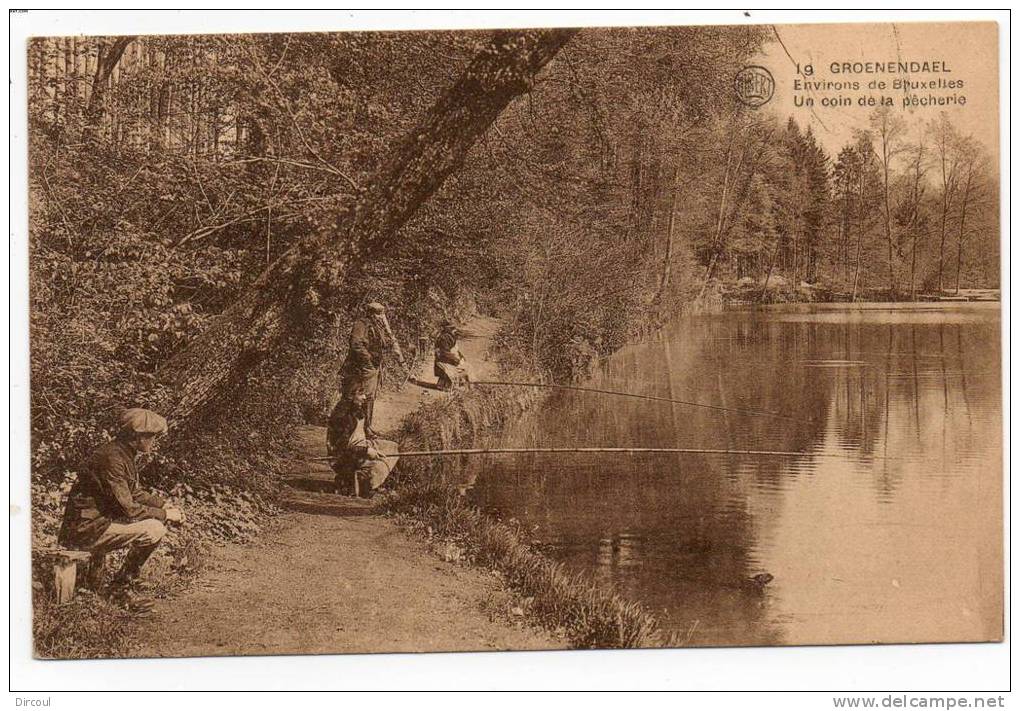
[
  {"x": 362, "y": 369},
  {"x": 107, "y": 508},
  {"x": 361, "y": 464}
]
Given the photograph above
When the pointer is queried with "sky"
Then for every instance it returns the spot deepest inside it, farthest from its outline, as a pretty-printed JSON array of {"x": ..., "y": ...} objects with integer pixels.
[{"x": 968, "y": 50}]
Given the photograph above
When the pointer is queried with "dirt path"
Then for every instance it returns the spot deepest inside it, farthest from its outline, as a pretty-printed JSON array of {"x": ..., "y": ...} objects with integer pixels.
[{"x": 333, "y": 577}]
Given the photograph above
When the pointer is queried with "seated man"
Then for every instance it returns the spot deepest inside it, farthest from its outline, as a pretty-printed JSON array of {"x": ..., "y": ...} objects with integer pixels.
[
  {"x": 107, "y": 509},
  {"x": 450, "y": 364},
  {"x": 361, "y": 464}
]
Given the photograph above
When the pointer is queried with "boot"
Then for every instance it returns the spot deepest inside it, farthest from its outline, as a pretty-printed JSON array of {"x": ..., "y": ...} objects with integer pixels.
[
  {"x": 96, "y": 575},
  {"x": 343, "y": 484},
  {"x": 132, "y": 567},
  {"x": 126, "y": 596},
  {"x": 125, "y": 589}
]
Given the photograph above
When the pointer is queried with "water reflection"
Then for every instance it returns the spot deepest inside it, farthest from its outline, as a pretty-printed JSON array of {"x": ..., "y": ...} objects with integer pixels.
[{"x": 894, "y": 535}]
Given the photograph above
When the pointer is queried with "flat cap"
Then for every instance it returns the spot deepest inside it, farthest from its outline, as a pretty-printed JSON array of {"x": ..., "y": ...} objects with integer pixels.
[
  {"x": 375, "y": 308},
  {"x": 142, "y": 421}
]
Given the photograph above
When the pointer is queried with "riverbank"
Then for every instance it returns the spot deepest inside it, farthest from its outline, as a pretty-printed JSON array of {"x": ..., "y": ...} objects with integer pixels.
[
  {"x": 590, "y": 615},
  {"x": 779, "y": 290},
  {"x": 330, "y": 575}
]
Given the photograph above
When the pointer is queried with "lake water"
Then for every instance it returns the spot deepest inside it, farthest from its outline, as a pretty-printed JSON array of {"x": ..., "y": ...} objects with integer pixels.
[{"x": 887, "y": 528}]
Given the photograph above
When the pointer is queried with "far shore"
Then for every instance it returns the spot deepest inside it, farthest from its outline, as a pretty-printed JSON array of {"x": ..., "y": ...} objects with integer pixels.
[
  {"x": 779, "y": 290},
  {"x": 863, "y": 305}
]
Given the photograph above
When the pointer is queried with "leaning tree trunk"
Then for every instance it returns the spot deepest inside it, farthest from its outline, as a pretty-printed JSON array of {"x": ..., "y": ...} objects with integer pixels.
[
  {"x": 105, "y": 64},
  {"x": 295, "y": 291}
]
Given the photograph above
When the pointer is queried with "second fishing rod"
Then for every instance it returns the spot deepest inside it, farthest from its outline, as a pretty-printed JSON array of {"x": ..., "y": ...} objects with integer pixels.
[{"x": 621, "y": 393}]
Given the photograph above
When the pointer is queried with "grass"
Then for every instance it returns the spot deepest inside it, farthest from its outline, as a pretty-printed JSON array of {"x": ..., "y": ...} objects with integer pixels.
[
  {"x": 89, "y": 626},
  {"x": 590, "y": 615}
]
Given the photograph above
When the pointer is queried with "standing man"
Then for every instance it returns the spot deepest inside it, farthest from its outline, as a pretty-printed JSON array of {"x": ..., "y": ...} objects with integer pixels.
[
  {"x": 362, "y": 369},
  {"x": 107, "y": 508}
]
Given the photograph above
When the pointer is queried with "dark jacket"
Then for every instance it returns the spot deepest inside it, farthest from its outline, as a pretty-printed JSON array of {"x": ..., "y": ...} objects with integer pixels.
[
  {"x": 367, "y": 344},
  {"x": 446, "y": 348},
  {"x": 107, "y": 491},
  {"x": 343, "y": 422}
]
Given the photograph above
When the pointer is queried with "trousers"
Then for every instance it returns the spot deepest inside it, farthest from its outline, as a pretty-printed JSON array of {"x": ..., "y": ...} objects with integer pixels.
[{"x": 142, "y": 537}]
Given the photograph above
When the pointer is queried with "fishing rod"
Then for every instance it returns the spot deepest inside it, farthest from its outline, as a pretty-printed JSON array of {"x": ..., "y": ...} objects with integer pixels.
[
  {"x": 621, "y": 393},
  {"x": 606, "y": 450}
]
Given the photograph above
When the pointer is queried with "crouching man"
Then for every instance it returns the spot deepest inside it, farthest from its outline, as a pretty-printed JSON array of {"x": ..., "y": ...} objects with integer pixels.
[
  {"x": 107, "y": 509},
  {"x": 361, "y": 464}
]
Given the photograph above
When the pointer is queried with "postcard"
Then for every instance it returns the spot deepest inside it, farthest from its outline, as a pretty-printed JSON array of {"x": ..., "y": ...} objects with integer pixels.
[{"x": 518, "y": 339}]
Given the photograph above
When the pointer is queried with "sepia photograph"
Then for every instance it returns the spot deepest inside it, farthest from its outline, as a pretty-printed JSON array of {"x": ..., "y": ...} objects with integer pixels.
[{"x": 542, "y": 338}]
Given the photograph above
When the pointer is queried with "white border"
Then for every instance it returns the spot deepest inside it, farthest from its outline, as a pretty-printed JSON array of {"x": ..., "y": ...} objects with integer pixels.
[{"x": 891, "y": 667}]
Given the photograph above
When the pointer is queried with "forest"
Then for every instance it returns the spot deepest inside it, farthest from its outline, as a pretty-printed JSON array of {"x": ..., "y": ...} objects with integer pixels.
[{"x": 206, "y": 213}]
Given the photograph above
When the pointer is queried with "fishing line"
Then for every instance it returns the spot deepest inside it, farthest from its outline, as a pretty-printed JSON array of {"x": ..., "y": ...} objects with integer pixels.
[{"x": 657, "y": 398}]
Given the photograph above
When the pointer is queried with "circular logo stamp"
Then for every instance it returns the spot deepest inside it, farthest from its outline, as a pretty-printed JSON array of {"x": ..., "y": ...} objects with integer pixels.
[{"x": 754, "y": 85}]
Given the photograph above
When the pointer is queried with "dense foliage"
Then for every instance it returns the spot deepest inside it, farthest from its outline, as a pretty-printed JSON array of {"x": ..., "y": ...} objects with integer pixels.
[
  {"x": 624, "y": 182},
  {"x": 168, "y": 172}
]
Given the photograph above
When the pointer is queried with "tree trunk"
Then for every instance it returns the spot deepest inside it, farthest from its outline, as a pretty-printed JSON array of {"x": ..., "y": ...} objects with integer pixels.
[
  {"x": 847, "y": 221},
  {"x": 888, "y": 219},
  {"x": 293, "y": 294},
  {"x": 768, "y": 275},
  {"x": 949, "y": 183},
  {"x": 915, "y": 214},
  {"x": 155, "y": 132},
  {"x": 913, "y": 266},
  {"x": 69, "y": 85},
  {"x": 194, "y": 87},
  {"x": 668, "y": 258},
  {"x": 167, "y": 101},
  {"x": 963, "y": 219},
  {"x": 649, "y": 194},
  {"x": 942, "y": 238},
  {"x": 860, "y": 235},
  {"x": 718, "y": 222},
  {"x": 636, "y": 185},
  {"x": 913, "y": 230},
  {"x": 723, "y": 225},
  {"x": 106, "y": 61},
  {"x": 90, "y": 68},
  {"x": 75, "y": 70},
  {"x": 795, "y": 254},
  {"x": 55, "y": 64}
]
